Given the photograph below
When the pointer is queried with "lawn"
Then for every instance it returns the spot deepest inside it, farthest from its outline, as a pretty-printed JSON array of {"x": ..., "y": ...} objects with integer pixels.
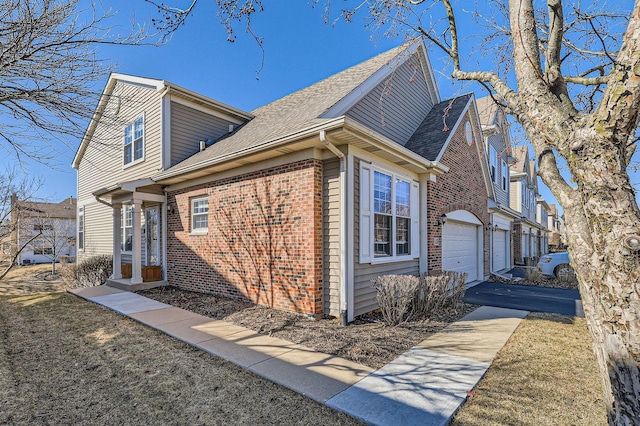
[
  {"x": 545, "y": 375},
  {"x": 66, "y": 361}
]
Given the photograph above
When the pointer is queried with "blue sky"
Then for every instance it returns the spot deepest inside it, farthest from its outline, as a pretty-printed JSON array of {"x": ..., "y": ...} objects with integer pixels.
[{"x": 299, "y": 50}]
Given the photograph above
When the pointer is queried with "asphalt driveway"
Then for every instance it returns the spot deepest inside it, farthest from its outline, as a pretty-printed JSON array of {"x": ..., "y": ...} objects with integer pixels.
[{"x": 528, "y": 298}]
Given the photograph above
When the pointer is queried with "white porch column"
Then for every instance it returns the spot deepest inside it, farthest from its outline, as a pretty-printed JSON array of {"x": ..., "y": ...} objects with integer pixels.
[
  {"x": 136, "y": 263},
  {"x": 117, "y": 239}
]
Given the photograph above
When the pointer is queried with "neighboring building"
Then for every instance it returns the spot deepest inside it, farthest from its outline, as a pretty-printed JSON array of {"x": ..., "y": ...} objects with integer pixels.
[
  {"x": 557, "y": 237},
  {"x": 501, "y": 216},
  {"x": 298, "y": 204},
  {"x": 542, "y": 217},
  {"x": 53, "y": 225},
  {"x": 527, "y": 231}
]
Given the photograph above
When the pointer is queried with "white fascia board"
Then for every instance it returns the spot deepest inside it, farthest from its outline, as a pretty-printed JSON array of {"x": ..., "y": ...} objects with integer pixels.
[
  {"x": 345, "y": 104},
  {"x": 276, "y": 143},
  {"x": 228, "y": 109},
  {"x": 434, "y": 85},
  {"x": 212, "y": 110},
  {"x": 140, "y": 81},
  {"x": 388, "y": 145},
  {"x": 453, "y": 129}
]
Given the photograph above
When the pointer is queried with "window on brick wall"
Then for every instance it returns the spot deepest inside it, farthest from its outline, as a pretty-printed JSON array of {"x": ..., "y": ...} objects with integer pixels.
[
  {"x": 199, "y": 214},
  {"x": 388, "y": 215}
]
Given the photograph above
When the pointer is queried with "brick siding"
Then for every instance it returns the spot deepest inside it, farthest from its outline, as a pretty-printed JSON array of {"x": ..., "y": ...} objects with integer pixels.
[
  {"x": 462, "y": 188},
  {"x": 264, "y": 239}
]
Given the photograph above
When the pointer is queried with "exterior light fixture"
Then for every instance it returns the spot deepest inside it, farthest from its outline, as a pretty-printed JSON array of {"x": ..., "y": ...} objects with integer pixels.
[{"x": 443, "y": 219}]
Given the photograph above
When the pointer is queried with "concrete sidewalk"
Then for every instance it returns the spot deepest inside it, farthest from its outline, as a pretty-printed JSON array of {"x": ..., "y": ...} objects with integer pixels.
[{"x": 425, "y": 385}]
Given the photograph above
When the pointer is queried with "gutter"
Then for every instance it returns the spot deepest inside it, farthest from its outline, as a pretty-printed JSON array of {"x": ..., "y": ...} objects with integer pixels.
[{"x": 343, "y": 225}]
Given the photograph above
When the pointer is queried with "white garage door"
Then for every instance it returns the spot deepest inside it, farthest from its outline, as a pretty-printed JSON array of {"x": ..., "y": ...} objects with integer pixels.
[
  {"x": 499, "y": 250},
  {"x": 460, "y": 248}
]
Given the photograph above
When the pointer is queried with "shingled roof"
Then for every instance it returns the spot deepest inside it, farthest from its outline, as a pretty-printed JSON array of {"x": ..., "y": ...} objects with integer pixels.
[
  {"x": 65, "y": 209},
  {"x": 293, "y": 113},
  {"x": 434, "y": 131}
]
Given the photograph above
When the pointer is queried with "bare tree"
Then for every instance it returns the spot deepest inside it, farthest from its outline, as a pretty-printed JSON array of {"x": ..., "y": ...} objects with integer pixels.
[
  {"x": 56, "y": 237},
  {"x": 12, "y": 188},
  {"x": 569, "y": 73},
  {"x": 48, "y": 71}
]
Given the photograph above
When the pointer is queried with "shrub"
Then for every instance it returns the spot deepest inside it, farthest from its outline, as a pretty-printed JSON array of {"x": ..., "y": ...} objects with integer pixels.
[
  {"x": 94, "y": 271},
  {"x": 437, "y": 293},
  {"x": 394, "y": 294}
]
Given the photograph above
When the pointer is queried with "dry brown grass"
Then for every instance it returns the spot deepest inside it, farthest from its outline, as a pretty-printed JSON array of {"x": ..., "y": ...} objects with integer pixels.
[
  {"x": 65, "y": 361},
  {"x": 545, "y": 375},
  {"x": 30, "y": 279}
]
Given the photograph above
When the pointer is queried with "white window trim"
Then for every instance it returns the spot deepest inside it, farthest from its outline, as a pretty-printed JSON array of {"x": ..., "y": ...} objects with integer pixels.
[
  {"x": 367, "y": 213},
  {"x": 123, "y": 226},
  {"x": 198, "y": 231},
  {"x": 493, "y": 164},
  {"x": 133, "y": 141},
  {"x": 81, "y": 228},
  {"x": 505, "y": 176}
]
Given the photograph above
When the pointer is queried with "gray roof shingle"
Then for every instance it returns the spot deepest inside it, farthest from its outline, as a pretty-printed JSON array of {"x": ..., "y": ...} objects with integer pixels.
[
  {"x": 435, "y": 129},
  {"x": 292, "y": 113}
]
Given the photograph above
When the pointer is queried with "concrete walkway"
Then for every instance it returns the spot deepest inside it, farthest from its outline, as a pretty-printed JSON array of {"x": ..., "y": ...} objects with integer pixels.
[{"x": 424, "y": 386}]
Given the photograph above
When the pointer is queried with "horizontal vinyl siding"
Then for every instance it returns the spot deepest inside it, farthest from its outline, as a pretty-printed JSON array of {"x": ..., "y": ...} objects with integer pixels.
[
  {"x": 331, "y": 237},
  {"x": 501, "y": 196},
  {"x": 190, "y": 126},
  {"x": 98, "y": 227},
  {"x": 364, "y": 273},
  {"x": 397, "y": 106},
  {"x": 102, "y": 162}
]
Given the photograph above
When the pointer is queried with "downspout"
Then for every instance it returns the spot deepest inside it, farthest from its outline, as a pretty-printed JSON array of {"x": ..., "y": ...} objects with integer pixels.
[{"x": 343, "y": 225}]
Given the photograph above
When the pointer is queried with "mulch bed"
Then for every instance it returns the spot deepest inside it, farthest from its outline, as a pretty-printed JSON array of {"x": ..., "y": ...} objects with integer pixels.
[{"x": 366, "y": 340}]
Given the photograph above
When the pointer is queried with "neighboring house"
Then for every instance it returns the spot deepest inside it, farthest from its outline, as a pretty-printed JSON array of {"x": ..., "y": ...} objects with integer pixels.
[
  {"x": 542, "y": 218},
  {"x": 53, "y": 225},
  {"x": 527, "y": 231},
  {"x": 298, "y": 204},
  {"x": 501, "y": 216},
  {"x": 557, "y": 240}
]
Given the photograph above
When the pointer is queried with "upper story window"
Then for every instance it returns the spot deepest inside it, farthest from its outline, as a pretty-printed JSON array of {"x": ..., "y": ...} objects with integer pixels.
[
  {"x": 388, "y": 215},
  {"x": 81, "y": 228},
  {"x": 134, "y": 141},
  {"x": 199, "y": 214},
  {"x": 505, "y": 175},
  {"x": 493, "y": 164}
]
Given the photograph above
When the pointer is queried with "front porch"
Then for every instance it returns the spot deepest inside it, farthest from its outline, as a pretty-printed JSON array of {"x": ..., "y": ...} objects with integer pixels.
[{"x": 139, "y": 224}]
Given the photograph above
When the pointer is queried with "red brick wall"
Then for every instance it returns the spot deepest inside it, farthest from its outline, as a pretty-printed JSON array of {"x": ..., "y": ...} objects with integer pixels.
[
  {"x": 264, "y": 240},
  {"x": 462, "y": 188}
]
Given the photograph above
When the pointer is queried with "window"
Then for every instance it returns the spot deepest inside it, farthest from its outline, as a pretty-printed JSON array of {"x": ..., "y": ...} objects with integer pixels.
[
  {"x": 388, "y": 217},
  {"x": 46, "y": 251},
  {"x": 134, "y": 141},
  {"x": 493, "y": 159},
  {"x": 42, "y": 227},
  {"x": 81, "y": 228},
  {"x": 505, "y": 175},
  {"x": 127, "y": 228},
  {"x": 199, "y": 214}
]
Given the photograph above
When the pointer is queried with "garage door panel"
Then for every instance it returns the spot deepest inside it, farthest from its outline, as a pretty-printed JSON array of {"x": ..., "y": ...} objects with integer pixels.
[
  {"x": 499, "y": 250},
  {"x": 460, "y": 248}
]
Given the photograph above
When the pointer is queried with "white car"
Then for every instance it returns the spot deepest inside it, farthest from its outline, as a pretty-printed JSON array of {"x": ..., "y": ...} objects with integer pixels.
[{"x": 555, "y": 265}]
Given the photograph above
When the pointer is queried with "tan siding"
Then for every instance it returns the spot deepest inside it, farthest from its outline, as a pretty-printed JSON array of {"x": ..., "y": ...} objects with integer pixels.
[
  {"x": 364, "y": 294},
  {"x": 101, "y": 164},
  {"x": 331, "y": 237},
  {"x": 397, "y": 106},
  {"x": 188, "y": 127},
  {"x": 98, "y": 236}
]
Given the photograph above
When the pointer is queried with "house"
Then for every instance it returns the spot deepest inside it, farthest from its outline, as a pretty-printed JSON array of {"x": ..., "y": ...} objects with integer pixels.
[
  {"x": 298, "y": 204},
  {"x": 557, "y": 238},
  {"x": 47, "y": 229},
  {"x": 542, "y": 218},
  {"x": 497, "y": 142},
  {"x": 527, "y": 231}
]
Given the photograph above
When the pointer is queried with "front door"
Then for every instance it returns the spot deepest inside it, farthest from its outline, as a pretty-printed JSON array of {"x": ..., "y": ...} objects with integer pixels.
[{"x": 152, "y": 220}]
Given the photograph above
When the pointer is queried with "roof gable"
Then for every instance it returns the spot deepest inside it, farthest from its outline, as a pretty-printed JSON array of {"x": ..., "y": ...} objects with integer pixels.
[
  {"x": 433, "y": 134},
  {"x": 295, "y": 113}
]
